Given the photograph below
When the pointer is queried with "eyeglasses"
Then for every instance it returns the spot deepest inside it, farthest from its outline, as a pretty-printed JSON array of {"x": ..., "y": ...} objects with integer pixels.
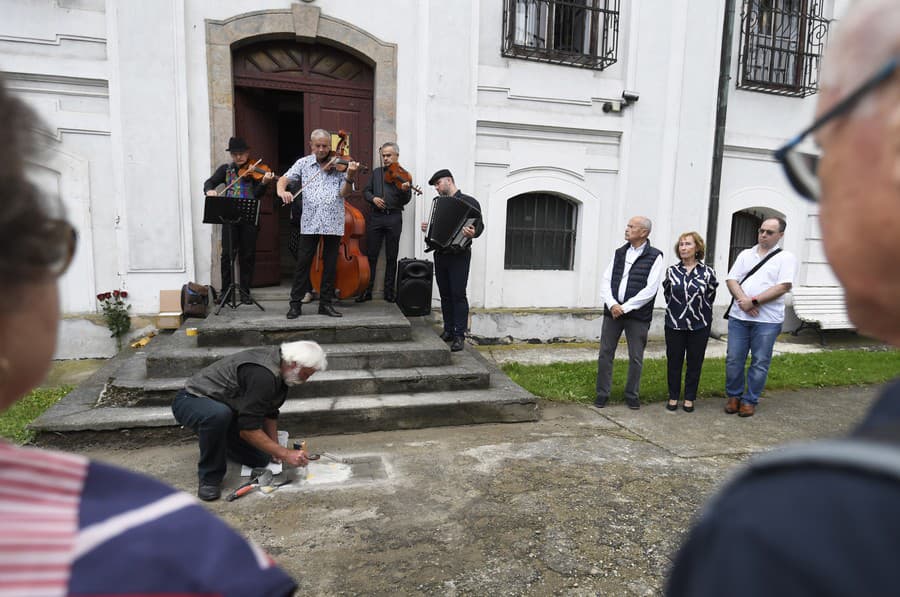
[
  {"x": 61, "y": 241},
  {"x": 765, "y": 232},
  {"x": 801, "y": 169}
]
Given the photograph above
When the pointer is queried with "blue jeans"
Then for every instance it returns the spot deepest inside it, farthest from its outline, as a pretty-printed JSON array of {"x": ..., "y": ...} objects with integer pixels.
[
  {"x": 216, "y": 425},
  {"x": 758, "y": 339}
]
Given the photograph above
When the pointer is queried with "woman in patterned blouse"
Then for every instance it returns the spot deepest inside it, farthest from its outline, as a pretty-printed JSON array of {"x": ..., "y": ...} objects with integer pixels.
[{"x": 689, "y": 288}]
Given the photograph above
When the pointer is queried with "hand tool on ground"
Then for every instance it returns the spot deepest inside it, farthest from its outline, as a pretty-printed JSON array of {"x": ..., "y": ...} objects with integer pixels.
[
  {"x": 258, "y": 478},
  {"x": 270, "y": 488}
]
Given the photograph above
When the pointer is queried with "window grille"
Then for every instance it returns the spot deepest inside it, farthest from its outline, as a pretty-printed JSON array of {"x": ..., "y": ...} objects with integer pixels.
[
  {"x": 540, "y": 232},
  {"x": 744, "y": 233},
  {"x": 781, "y": 46},
  {"x": 582, "y": 33}
]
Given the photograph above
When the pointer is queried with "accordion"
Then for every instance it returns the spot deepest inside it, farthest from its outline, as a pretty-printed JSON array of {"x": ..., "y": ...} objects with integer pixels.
[{"x": 449, "y": 215}]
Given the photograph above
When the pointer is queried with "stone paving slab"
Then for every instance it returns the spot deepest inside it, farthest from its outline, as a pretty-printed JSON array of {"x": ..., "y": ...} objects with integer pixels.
[{"x": 780, "y": 417}]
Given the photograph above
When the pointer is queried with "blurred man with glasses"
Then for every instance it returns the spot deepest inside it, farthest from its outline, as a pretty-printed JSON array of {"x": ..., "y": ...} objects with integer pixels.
[
  {"x": 822, "y": 518},
  {"x": 758, "y": 280}
]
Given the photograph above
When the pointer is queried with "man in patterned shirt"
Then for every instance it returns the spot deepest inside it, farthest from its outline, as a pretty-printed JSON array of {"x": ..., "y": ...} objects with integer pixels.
[{"x": 324, "y": 189}]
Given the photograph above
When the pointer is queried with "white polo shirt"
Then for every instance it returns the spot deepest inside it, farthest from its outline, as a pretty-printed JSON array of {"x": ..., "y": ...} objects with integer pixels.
[{"x": 780, "y": 269}]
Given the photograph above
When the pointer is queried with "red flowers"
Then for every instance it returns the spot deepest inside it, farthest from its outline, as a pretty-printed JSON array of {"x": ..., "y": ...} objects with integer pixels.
[
  {"x": 115, "y": 312},
  {"x": 104, "y": 296}
]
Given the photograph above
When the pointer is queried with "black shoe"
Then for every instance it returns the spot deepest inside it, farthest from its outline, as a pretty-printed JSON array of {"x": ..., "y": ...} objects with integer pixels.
[
  {"x": 447, "y": 336},
  {"x": 209, "y": 493},
  {"x": 686, "y": 408},
  {"x": 673, "y": 407},
  {"x": 366, "y": 296},
  {"x": 633, "y": 403},
  {"x": 600, "y": 402},
  {"x": 327, "y": 309},
  {"x": 457, "y": 344},
  {"x": 390, "y": 298},
  {"x": 294, "y": 312}
]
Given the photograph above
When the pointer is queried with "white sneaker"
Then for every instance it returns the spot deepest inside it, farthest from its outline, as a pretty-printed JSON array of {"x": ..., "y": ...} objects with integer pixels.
[{"x": 307, "y": 298}]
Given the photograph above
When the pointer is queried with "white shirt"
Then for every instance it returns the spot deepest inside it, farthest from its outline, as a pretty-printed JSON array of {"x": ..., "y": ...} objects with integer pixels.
[
  {"x": 780, "y": 269},
  {"x": 644, "y": 295},
  {"x": 323, "y": 206}
]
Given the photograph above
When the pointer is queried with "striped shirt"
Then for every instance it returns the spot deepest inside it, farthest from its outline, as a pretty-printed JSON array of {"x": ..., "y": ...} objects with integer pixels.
[
  {"x": 323, "y": 206},
  {"x": 69, "y": 525},
  {"x": 689, "y": 296}
]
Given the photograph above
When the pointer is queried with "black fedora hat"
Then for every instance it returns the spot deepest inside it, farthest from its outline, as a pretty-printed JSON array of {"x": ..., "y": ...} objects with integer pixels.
[{"x": 236, "y": 145}]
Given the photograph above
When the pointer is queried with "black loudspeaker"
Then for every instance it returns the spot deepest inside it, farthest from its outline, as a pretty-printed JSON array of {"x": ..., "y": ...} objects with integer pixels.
[{"x": 414, "y": 286}]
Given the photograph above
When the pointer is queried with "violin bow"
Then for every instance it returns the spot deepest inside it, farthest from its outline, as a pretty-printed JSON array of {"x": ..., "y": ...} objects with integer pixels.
[{"x": 240, "y": 176}]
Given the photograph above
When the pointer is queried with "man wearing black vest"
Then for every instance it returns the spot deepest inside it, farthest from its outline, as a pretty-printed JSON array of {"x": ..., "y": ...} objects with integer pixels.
[
  {"x": 232, "y": 405},
  {"x": 629, "y": 287}
]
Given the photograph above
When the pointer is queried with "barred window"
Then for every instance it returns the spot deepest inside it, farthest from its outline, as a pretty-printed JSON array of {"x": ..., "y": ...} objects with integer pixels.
[
  {"x": 781, "y": 46},
  {"x": 744, "y": 233},
  {"x": 540, "y": 232},
  {"x": 582, "y": 33}
]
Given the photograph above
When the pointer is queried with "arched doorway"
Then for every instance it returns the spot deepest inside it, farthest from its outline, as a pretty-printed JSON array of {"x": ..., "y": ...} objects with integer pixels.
[{"x": 283, "y": 90}]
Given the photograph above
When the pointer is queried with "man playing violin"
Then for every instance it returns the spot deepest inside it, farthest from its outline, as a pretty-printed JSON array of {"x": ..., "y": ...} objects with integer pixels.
[
  {"x": 324, "y": 189},
  {"x": 243, "y": 236},
  {"x": 386, "y": 222}
]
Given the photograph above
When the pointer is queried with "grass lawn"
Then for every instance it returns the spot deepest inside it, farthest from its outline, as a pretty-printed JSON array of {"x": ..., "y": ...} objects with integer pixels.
[
  {"x": 23, "y": 412},
  {"x": 575, "y": 382}
]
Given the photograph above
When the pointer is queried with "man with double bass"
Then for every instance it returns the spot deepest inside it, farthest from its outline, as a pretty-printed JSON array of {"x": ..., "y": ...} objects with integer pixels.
[
  {"x": 324, "y": 189},
  {"x": 243, "y": 236},
  {"x": 386, "y": 221}
]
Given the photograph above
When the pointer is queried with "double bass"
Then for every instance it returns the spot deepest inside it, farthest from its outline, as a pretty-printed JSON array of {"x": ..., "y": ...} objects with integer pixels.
[{"x": 353, "y": 272}]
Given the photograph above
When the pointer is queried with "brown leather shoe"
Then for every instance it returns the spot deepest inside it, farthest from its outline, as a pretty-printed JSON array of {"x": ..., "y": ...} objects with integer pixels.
[
  {"x": 732, "y": 405},
  {"x": 746, "y": 410}
]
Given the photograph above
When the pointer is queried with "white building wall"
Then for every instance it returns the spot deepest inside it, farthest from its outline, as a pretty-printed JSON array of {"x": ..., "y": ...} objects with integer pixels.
[{"x": 124, "y": 88}]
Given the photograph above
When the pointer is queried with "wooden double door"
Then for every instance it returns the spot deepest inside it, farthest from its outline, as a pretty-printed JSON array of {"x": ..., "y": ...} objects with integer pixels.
[{"x": 283, "y": 91}]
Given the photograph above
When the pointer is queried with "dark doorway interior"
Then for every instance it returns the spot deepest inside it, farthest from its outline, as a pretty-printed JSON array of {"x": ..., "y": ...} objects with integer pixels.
[{"x": 288, "y": 113}]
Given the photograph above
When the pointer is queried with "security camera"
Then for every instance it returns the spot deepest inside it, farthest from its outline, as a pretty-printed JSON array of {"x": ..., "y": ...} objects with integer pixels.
[{"x": 631, "y": 96}]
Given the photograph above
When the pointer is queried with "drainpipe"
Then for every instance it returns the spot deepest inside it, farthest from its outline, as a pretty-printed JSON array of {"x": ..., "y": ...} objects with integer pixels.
[{"x": 715, "y": 184}]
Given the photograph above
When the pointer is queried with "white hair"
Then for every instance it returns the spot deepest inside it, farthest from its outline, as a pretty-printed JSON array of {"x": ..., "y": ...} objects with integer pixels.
[
  {"x": 319, "y": 134},
  {"x": 304, "y": 353},
  {"x": 645, "y": 223}
]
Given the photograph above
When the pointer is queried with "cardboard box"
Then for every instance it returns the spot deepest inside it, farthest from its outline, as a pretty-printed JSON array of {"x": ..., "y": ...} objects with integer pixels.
[{"x": 169, "y": 317}]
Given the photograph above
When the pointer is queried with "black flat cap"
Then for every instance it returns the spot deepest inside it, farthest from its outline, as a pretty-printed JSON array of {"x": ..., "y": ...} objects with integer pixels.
[{"x": 439, "y": 175}]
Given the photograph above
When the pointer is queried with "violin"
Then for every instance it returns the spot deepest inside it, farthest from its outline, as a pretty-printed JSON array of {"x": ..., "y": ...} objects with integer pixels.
[
  {"x": 352, "y": 271},
  {"x": 339, "y": 157},
  {"x": 398, "y": 176},
  {"x": 256, "y": 171}
]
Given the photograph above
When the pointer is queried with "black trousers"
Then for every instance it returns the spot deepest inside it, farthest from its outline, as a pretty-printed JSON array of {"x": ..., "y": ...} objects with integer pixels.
[
  {"x": 386, "y": 228},
  {"x": 306, "y": 252},
  {"x": 216, "y": 425},
  {"x": 679, "y": 343},
  {"x": 451, "y": 270},
  {"x": 243, "y": 244}
]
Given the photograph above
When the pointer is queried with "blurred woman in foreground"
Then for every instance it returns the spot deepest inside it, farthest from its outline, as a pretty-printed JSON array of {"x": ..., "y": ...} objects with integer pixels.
[{"x": 69, "y": 525}]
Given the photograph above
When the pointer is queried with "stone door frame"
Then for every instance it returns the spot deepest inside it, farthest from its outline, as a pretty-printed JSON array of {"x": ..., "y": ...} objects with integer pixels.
[{"x": 306, "y": 24}]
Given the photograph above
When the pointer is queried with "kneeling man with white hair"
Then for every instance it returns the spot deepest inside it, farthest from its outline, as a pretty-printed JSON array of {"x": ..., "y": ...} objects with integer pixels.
[{"x": 232, "y": 405}]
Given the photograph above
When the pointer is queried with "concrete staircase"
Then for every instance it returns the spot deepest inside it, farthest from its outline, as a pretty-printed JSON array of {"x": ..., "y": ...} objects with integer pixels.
[{"x": 385, "y": 371}]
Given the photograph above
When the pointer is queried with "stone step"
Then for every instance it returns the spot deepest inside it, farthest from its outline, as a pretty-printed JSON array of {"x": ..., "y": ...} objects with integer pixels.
[
  {"x": 369, "y": 322},
  {"x": 79, "y": 416},
  {"x": 130, "y": 385},
  {"x": 181, "y": 357}
]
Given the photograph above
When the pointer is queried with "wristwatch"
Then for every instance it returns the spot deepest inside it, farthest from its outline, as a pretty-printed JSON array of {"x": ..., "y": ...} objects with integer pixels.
[{"x": 755, "y": 301}]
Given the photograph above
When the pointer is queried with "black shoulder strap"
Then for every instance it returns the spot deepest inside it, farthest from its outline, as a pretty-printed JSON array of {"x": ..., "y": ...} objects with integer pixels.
[
  {"x": 750, "y": 273},
  {"x": 760, "y": 264}
]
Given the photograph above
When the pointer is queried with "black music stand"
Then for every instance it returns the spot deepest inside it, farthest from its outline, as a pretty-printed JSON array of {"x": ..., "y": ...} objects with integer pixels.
[{"x": 228, "y": 211}]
